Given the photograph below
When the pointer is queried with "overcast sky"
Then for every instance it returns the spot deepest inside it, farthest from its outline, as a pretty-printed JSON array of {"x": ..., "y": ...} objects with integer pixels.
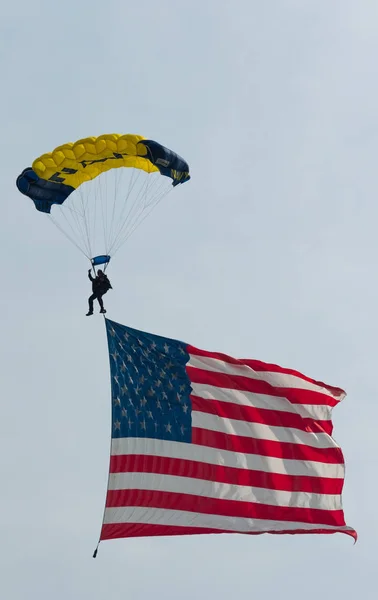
[{"x": 269, "y": 252}]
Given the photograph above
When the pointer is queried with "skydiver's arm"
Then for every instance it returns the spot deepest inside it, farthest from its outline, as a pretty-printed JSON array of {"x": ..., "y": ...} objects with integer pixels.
[{"x": 90, "y": 275}]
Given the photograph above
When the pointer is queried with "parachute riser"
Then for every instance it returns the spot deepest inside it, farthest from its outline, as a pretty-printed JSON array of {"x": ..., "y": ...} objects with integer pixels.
[{"x": 103, "y": 259}]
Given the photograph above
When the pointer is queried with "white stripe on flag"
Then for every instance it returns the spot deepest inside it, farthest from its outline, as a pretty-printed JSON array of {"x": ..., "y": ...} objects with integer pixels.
[
  {"x": 154, "y": 447},
  {"x": 223, "y": 491},
  {"x": 264, "y": 401},
  {"x": 261, "y": 432}
]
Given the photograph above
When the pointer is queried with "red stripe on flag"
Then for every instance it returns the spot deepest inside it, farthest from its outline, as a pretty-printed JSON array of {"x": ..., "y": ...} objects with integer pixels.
[
  {"x": 246, "y": 445},
  {"x": 135, "y": 463},
  {"x": 216, "y": 506},
  {"x": 259, "y": 366},
  {"x": 120, "y": 530},
  {"x": 246, "y": 384},
  {"x": 124, "y": 530},
  {"x": 274, "y": 418}
]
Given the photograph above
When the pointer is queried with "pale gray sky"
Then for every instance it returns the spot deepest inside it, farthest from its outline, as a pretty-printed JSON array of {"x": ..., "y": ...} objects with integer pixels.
[{"x": 268, "y": 252}]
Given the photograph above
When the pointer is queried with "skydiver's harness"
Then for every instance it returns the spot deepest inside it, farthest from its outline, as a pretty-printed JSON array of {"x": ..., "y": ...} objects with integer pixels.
[{"x": 100, "y": 286}]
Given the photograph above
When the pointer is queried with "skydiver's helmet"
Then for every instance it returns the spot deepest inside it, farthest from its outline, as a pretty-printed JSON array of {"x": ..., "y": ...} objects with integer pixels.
[{"x": 101, "y": 273}]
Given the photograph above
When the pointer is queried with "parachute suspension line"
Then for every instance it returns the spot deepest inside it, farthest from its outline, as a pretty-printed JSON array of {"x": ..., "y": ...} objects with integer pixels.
[
  {"x": 137, "y": 224},
  {"x": 108, "y": 193},
  {"x": 161, "y": 190},
  {"x": 87, "y": 221},
  {"x": 78, "y": 234},
  {"x": 128, "y": 199},
  {"x": 82, "y": 230},
  {"x": 148, "y": 181},
  {"x": 95, "y": 200},
  {"x": 94, "y": 210},
  {"x": 67, "y": 236},
  {"x": 116, "y": 184},
  {"x": 160, "y": 193},
  {"x": 86, "y": 224},
  {"x": 75, "y": 220},
  {"x": 137, "y": 206},
  {"x": 75, "y": 224},
  {"x": 103, "y": 207},
  {"x": 132, "y": 182},
  {"x": 127, "y": 218},
  {"x": 128, "y": 205},
  {"x": 89, "y": 194},
  {"x": 151, "y": 208},
  {"x": 105, "y": 202},
  {"x": 138, "y": 210},
  {"x": 84, "y": 197},
  {"x": 102, "y": 193}
]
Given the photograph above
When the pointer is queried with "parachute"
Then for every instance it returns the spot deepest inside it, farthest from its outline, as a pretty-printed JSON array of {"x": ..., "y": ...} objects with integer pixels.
[{"x": 83, "y": 190}]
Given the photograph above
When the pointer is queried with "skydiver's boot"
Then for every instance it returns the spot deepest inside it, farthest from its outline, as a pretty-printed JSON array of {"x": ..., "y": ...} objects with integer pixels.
[
  {"x": 103, "y": 310},
  {"x": 89, "y": 313}
]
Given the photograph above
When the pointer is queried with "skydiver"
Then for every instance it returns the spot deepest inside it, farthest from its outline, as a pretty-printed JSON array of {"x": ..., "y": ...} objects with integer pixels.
[{"x": 100, "y": 285}]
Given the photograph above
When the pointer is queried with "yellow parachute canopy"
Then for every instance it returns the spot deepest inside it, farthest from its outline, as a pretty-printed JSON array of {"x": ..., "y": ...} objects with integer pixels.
[{"x": 80, "y": 161}]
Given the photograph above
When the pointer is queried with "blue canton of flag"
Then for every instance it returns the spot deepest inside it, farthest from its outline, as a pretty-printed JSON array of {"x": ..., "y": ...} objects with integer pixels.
[{"x": 150, "y": 386}]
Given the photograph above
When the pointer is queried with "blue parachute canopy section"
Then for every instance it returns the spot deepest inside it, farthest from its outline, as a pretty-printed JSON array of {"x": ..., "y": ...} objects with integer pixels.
[
  {"x": 103, "y": 259},
  {"x": 168, "y": 162},
  {"x": 43, "y": 192}
]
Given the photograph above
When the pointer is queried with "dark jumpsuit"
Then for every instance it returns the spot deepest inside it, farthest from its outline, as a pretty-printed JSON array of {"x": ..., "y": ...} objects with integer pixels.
[{"x": 100, "y": 285}]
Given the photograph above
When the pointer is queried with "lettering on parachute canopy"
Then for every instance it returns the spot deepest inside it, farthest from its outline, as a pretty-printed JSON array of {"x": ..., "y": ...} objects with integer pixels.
[
  {"x": 59, "y": 176},
  {"x": 162, "y": 161},
  {"x": 178, "y": 175}
]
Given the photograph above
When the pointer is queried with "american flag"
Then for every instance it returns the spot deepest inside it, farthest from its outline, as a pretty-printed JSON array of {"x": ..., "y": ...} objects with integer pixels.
[{"x": 206, "y": 443}]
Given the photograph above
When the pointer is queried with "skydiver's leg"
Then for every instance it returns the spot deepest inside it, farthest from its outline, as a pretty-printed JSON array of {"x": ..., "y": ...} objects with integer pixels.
[
  {"x": 90, "y": 303},
  {"x": 99, "y": 298}
]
